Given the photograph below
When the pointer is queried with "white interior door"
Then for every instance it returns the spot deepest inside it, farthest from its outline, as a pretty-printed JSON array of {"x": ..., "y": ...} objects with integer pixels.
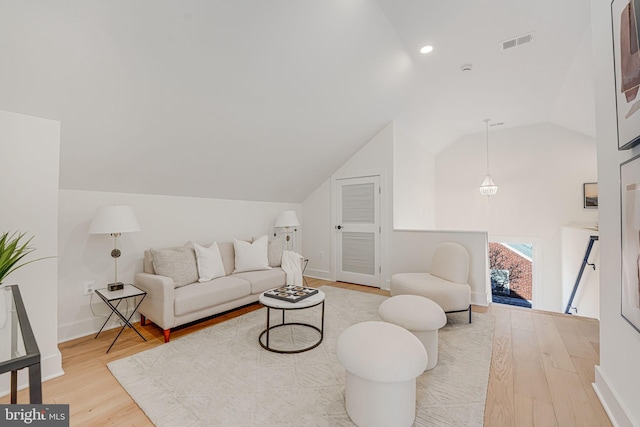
[{"x": 358, "y": 230}]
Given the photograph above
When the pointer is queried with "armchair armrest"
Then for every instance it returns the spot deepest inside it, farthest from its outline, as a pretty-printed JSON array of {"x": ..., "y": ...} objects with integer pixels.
[{"x": 158, "y": 304}]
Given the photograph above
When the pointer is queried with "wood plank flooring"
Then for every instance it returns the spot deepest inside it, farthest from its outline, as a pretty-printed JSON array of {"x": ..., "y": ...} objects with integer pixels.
[{"x": 542, "y": 368}]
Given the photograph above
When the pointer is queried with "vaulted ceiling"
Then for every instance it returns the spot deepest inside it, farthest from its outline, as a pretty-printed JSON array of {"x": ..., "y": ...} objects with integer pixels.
[{"x": 264, "y": 99}]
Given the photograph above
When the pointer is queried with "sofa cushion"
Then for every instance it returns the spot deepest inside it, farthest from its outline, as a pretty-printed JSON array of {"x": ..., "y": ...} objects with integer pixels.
[
  {"x": 251, "y": 256},
  {"x": 209, "y": 262},
  {"x": 198, "y": 296},
  {"x": 176, "y": 263},
  {"x": 228, "y": 256},
  {"x": 263, "y": 280}
]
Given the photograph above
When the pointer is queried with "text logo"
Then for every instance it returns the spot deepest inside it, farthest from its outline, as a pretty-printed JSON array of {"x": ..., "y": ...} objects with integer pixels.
[{"x": 34, "y": 415}]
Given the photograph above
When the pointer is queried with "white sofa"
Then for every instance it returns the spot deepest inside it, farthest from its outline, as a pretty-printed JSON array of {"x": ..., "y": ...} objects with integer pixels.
[{"x": 169, "y": 306}]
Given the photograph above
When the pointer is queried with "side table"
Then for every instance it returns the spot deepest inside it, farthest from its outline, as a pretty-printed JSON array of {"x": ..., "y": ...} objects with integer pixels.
[
  {"x": 111, "y": 297},
  {"x": 18, "y": 346},
  {"x": 277, "y": 304}
]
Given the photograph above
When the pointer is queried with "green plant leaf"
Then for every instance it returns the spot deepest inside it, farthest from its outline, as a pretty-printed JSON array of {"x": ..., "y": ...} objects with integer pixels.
[{"x": 13, "y": 249}]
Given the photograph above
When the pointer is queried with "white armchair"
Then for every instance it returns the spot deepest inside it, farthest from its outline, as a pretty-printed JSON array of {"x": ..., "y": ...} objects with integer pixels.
[{"x": 446, "y": 283}]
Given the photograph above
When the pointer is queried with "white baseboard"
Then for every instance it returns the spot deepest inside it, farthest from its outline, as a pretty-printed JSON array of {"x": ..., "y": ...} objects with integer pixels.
[
  {"x": 90, "y": 326},
  {"x": 480, "y": 298},
  {"x": 318, "y": 274},
  {"x": 618, "y": 415}
]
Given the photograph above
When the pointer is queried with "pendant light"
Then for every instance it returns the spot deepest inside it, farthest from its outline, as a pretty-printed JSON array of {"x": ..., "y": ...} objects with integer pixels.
[{"x": 488, "y": 188}]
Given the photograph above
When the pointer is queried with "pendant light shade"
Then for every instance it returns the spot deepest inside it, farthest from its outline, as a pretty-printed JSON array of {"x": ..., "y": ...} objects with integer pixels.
[{"x": 488, "y": 187}]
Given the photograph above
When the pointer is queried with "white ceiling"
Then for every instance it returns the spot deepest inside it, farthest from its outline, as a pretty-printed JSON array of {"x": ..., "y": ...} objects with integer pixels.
[{"x": 264, "y": 99}]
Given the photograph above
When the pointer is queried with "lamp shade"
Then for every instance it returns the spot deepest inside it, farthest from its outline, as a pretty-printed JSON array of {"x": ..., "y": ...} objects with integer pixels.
[
  {"x": 114, "y": 219},
  {"x": 488, "y": 188},
  {"x": 287, "y": 219}
]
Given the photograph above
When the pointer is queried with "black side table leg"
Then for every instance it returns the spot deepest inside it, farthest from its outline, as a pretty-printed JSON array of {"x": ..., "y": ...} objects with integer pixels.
[
  {"x": 268, "y": 324},
  {"x": 35, "y": 384},
  {"x": 14, "y": 387}
]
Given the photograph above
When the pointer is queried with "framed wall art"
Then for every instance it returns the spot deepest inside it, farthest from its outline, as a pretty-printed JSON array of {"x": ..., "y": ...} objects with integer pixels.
[
  {"x": 630, "y": 238},
  {"x": 625, "y": 15},
  {"x": 590, "y": 195}
]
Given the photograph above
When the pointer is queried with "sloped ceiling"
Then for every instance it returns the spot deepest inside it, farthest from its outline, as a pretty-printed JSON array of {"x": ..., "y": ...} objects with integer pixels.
[{"x": 264, "y": 99}]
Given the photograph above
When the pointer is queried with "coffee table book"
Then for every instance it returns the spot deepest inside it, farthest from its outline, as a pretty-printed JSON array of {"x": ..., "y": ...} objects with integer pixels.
[{"x": 291, "y": 293}]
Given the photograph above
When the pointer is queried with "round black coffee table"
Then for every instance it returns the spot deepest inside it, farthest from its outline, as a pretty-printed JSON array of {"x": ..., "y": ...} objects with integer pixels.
[{"x": 276, "y": 304}]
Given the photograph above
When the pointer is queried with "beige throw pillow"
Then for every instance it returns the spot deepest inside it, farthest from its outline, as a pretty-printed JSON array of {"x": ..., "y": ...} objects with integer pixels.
[
  {"x": 176, "y": 263},
  {"x": 209, "y": 262},
  {"x": 251, "y": 256},
  {"x": 274, "y": 252}
]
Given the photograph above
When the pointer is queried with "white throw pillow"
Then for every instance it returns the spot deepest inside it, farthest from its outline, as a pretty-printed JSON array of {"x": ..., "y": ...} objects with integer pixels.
[
  {"x": 251, "y": 256},
  {"x": 209, "y": 262}
]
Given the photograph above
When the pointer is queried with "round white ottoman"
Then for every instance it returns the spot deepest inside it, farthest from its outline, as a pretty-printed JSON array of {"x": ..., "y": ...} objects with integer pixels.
[
  {"x": 420, "y": 316},
  {"x": 382, "y": 361}
]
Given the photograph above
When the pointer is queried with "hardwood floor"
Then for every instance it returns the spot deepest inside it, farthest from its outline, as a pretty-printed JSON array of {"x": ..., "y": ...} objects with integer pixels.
[{"x": 541, "y": 370}]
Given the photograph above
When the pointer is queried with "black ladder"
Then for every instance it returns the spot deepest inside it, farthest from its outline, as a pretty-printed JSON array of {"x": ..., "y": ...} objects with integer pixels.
[{"x": 585, "y": 262}]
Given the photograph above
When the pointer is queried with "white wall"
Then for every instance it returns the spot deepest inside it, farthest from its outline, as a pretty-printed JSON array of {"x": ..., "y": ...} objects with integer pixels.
[
  {"x": 165, "y": 221},
  {"x": 618, "y": 375},
  {"x": 30, "y": 148},
  {"x": 374, "y": 158},
  {"x": 411, "y": 252},
  {"x": 574, "y": 245},
  {"x": 402, "y": 251},
  {"x": 540, "y": 170},
  {"x": 414, "y": 175},
  {"x": 316, "y": 219}
]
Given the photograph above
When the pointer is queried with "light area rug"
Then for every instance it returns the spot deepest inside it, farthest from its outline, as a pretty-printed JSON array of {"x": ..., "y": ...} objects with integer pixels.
[{"x": 220, "y": 376}]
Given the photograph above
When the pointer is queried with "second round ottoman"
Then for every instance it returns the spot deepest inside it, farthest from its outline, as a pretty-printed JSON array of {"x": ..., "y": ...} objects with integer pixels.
[
  {"x": 419, "y": 315},
  {"x": 382, "y": 361}
]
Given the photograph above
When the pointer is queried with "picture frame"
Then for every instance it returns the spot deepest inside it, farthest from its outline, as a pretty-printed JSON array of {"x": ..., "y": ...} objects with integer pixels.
[
  {"x": 590, "y": 195},
  {"x": 625, "y": 17},
  {"x": 630, "y": 240}
]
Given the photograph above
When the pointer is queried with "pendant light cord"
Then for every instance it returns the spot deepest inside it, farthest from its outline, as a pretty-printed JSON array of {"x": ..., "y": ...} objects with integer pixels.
[{"x": 487, "y": 122}]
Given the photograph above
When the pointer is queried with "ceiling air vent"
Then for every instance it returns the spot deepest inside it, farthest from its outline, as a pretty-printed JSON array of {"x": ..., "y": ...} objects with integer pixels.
[{"x": 517, "y": 41}]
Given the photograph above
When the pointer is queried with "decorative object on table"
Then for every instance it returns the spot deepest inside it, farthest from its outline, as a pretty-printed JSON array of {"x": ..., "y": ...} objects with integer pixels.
[
  {"x": 590, "y": 195},
  {"x": 630, "y": 229},
  {"x": 488, "y": 188},
  {"x": 114, "y": 220},
  {"x": 291, "y": 293},
  {"x": 286, "y": 226},
  {"x": 625, "y": 15}
]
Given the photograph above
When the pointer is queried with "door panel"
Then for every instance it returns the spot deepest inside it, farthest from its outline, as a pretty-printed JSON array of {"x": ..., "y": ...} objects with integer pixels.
[{"x": 358, "y": 230}]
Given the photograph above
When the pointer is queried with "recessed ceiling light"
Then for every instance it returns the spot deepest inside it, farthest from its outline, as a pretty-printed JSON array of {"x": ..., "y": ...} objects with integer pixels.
[{"x": 426, "y": 49}]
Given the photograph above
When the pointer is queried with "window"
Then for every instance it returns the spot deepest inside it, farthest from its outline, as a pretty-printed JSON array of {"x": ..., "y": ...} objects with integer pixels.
[{"x": 511, "y": 267}]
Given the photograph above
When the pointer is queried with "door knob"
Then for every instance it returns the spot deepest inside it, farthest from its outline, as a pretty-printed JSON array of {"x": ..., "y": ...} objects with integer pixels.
[{"x": 339, "y": 227}]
